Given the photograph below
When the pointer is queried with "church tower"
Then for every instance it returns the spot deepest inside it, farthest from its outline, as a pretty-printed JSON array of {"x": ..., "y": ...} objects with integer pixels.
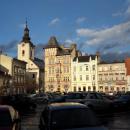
[{"x": 26, "y": 47}]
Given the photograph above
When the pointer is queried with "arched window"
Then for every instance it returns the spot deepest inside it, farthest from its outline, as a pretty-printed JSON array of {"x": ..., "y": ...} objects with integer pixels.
[{"x": 23, "y": 52}]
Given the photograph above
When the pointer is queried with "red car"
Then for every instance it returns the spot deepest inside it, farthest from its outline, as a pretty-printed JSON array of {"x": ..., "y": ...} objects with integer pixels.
[{"x": 9, "y": 118}]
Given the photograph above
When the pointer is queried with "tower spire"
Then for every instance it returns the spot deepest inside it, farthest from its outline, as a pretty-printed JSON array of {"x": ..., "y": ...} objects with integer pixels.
[
  {"x": 26, "y": 23},
  {"x": 26, "y": 37}
]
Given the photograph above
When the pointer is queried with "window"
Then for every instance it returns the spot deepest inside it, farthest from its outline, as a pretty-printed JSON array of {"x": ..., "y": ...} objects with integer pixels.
[
  {"x": 87, "y": 77},
  {"x": 123, "y": 78},
  {"x": 74, "y": 88},
  {"x": 23, "y": 52},
  {"x": 15, "y": 69},
  {"x": 89, "y": 88},
  {"x": 57, "y": 70},
  {"x": 117, "y": 89},
  {"x": 74, "y": 68},
  {"x": 80, "y": 77},
  {"x": 49, "y": 70},
  {"x": 74, "y": 77},
  {"x": 93, "y": 77},
  {"x": 79, "y": 88},
  {"x": 80, "y": 68},
  {"x": 52, "y": 70},
  {"x": 86, "y": 68},
  {"x": 94, "y": 88},
  {"x": 106, "y": 89},
  {"x": 84, "y": 88},
  {"x": 64, "y": 69},
  {"x": 33, "y": 76},
  {"x": 93, "y": 67},
  {"x": 31, "y": 53},
  {"x": 67, "y": 69},
  {"x": 101, "y": 88}
]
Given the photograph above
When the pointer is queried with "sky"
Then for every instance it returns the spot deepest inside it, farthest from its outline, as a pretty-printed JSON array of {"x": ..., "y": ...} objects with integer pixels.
[{"x": 94, "y": 25}]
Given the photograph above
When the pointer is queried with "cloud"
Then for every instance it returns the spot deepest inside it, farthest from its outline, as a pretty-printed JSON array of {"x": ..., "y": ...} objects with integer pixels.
[
  {"x": 69, "y": 41},
  {"x": 117, "y": 14},
  {"x": 127, "y": 12},
  {"x": 123, "y": 12},
  {"x": 80, "y": 20},
  {"x": 54, "y": 21},
  {"x": 107, "y": 38},
  {"x": 9, "y": 47},
  {"x": 112, "y": 56}
]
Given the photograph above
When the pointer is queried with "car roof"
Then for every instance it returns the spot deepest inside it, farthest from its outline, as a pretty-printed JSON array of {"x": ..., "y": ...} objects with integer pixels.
[
  {"x": 65, "y": 105},
  {"x": 10, "y": 108}
]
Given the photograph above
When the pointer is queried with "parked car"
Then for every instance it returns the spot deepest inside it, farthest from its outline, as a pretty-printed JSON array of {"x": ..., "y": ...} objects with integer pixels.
[
  {"x": 69, "y": 97},
  {"x": 22, "y": 103},
  {"x": 122, "y": 102},
  {"x": 39, "y": 98},
  {"x": 9, "y": 118},
  {"x": 60, "y": 98},
  {"x": 97, "y": 102},
  {"x": 69, "y": 116}
]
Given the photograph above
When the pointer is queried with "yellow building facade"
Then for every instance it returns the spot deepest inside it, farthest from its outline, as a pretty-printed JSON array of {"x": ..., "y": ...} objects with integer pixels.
[
  {"x": 58, "y": 66},
  {"x": 112, "y": 77},
  {"x": 14, "y": 74}
]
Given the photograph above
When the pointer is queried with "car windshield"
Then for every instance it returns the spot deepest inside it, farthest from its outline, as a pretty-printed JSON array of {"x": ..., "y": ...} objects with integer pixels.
[
  {"x": 5, "y": 118},
  {"x": 75, "y": 118}
]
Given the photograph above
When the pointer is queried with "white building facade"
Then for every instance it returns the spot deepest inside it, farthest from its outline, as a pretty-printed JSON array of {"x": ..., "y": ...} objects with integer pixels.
[
  {"x": 84, "y": 73},
  {"x": 34, "y": 67}
]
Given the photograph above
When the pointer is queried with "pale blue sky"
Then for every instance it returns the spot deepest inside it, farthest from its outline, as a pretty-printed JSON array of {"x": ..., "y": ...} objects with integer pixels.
[{"x": 102, "y": 25}]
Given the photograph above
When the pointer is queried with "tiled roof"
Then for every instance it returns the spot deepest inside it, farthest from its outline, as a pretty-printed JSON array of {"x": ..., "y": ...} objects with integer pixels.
[
  {"x": 52, "y": 43},
  {"x": 84, "y": 58},
  {"x": 63, "y": 51},
  {"x": 39, "y": 62}
]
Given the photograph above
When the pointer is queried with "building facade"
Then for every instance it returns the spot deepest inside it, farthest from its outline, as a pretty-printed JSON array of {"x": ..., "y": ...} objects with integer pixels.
[
  {"x": 4, "y": 82},
  {"x": 127, "y": 65},
  {"x": 34, "y": 67},
  {"x": 15, "y": 73},
  {"x": 84, "y": 73},
  {"x": 112, "y": 77},
  {"x": 58, "y": 66}
]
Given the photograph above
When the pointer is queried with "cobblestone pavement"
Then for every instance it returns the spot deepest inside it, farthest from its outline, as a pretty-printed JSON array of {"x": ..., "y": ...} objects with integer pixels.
[{"x": 30, "y": 121}]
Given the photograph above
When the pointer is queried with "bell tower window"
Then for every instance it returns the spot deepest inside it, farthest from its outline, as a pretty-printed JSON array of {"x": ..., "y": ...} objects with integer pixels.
[{"x": 23, "y": 52}]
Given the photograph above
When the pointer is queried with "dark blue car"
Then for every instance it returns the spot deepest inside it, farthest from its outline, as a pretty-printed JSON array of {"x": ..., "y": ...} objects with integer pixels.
[{"x": 122, "y": 102}]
